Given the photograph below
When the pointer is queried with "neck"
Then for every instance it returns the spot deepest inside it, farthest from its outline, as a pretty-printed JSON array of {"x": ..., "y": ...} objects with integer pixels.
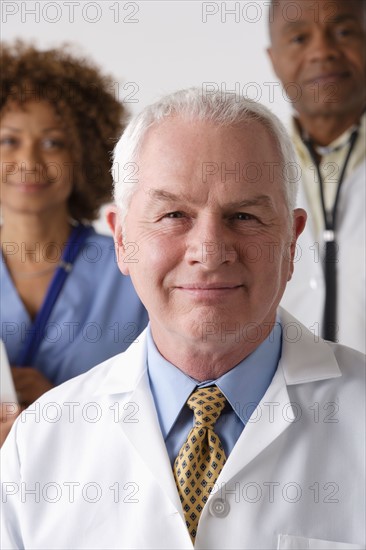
[
  {"x": 206, "y": 360},
  {"x": 324, "y": 129},
  {"x": 26, "y": 239}
]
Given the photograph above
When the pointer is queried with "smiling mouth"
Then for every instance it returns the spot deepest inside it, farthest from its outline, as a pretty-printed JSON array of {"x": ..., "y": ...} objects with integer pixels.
[
  {"x": 211, "y": 291},
  {"x": 29, "y": 187},
  {"x": 324, "y": 78}
]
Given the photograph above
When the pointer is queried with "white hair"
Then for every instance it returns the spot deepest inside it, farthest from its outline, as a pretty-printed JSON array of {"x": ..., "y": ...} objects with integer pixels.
[{"x": 194, "y": 104}]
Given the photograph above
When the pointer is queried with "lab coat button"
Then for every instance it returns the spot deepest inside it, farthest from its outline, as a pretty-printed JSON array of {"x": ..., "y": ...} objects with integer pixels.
[
  {"x": 219, "y": 508},
  {"x": 313, "y": 283}
]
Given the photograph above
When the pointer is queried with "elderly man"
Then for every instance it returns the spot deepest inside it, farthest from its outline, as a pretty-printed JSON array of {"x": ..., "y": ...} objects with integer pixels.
[
  {"x": 228, "y": 424},
  {"x": 318, "y": 51}
]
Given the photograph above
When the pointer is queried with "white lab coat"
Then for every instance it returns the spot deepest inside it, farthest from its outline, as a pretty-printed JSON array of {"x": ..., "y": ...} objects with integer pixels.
[
  {"x": 89, "y": 468},
  {"x": 305, "y": 293}
]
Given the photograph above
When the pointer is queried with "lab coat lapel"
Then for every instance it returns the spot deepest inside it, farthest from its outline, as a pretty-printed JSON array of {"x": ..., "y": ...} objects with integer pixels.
[
  {"x": 146, "y": 437},
  {"x": 265, "y": 425},
  {"x": 303, "y": 360},
  {"x": 128, "y": 382}
]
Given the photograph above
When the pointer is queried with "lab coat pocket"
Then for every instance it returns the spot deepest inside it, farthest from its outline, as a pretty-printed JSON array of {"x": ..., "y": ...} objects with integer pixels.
[{"x": 290, "y": 542}]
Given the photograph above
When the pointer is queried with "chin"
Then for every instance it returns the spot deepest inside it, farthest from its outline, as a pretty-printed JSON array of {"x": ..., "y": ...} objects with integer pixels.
[
  {"x": 324, "y": 107},
  {"x": 214, "y": 326}
]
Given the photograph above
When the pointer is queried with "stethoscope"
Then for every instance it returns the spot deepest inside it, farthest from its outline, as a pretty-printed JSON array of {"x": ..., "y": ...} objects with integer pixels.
[{"x": 330, "y": 259}]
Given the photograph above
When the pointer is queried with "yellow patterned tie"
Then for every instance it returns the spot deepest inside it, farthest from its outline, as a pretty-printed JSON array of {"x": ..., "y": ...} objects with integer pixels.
[{"x": 202, "y": 456}]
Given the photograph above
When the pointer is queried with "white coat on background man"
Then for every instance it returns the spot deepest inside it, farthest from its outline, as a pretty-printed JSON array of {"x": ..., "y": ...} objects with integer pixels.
[{"x": 305, "y": 293}]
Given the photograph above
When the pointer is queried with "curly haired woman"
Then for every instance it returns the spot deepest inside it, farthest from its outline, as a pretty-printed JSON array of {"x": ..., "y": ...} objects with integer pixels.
[{"x": 65, "y": 306}]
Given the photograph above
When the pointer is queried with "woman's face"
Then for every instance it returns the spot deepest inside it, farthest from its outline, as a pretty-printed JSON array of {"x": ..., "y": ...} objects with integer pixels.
[{"x": 36, "y": 162}]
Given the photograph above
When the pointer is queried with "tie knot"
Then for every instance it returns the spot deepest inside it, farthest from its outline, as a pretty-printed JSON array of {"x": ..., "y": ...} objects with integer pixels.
[{"x": 206, "y": 404}]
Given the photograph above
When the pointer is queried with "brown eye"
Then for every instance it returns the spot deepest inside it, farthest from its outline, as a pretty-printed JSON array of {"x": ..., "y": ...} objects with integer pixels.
[
  {"x": 53, "y": 143},
  {"x": 344, "y": 32},
  {"x": 8, "y": 141},
  {"x": 298, "y": 39}
]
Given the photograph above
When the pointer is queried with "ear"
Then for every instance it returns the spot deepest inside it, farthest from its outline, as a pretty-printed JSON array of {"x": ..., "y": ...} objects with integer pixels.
[
  {"x": 298, "y": 225},
  {"x": 115, "y": 225}
]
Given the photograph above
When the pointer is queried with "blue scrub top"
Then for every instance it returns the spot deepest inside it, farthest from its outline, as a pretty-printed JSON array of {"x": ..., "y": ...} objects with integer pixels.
[{"x": 97, "y": 315}]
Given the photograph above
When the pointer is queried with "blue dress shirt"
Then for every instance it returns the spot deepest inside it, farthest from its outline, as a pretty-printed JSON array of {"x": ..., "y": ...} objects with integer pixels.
[{"x": 243, "y": 387}]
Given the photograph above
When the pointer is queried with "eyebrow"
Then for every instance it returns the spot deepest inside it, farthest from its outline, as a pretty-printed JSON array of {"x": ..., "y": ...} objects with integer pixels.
[
  {"x": 6, "y": 127},
  {"x": 167, "y": 197},
  {"x": 259, "y": 200},
  {"x": 10, "y": 128},
  {"x": 342, "y": 17}
]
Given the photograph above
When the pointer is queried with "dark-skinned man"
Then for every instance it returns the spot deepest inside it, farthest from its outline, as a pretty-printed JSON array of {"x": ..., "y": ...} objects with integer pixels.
[{"x": 318, "y": 51}]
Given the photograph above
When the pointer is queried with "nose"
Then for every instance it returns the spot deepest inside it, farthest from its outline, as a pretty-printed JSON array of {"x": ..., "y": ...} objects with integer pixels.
[
  {"x": 323, "y": 47},
  {"x": 29, "y": 154},
  {"x": 30, "y": 162},
  {"x": 210, "y": 244}
]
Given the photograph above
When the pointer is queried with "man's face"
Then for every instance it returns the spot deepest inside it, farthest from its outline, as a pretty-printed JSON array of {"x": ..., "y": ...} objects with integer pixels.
[
  {"x": 318, "y": 51},
  {"x": 211, "y": 245}
]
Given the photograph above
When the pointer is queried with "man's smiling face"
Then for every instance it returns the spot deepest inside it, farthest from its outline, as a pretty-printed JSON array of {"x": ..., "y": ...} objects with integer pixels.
[
  {"x": 212, "y": 246},
  {"x": 318, "y": 52}
]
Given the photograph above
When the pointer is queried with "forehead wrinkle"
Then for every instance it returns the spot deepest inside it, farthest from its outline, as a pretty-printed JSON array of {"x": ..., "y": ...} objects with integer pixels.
[
  {"x": 294, "y": 24},
  {"x": 163, "y": 196}
]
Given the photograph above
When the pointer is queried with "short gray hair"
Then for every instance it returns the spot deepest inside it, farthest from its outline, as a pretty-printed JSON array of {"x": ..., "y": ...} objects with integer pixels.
[{"x": 222, "y": 109}]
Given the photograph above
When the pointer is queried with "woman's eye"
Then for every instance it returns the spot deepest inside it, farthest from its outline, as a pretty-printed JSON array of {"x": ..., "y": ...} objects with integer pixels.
[
  {"x": 53, "y": 143},
  {"x": 7, "y": 140}
]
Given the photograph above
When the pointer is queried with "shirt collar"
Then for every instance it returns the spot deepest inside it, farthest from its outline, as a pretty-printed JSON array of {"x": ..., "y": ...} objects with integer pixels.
[
  {"x": 300, "y": 146},
  {"x": 243, "y": 386}
]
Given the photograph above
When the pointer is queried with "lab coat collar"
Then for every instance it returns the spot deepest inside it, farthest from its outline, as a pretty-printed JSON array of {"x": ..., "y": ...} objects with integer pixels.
[
  {"x": 125, "y": 370},
  {"x": 305, "y": 356}
]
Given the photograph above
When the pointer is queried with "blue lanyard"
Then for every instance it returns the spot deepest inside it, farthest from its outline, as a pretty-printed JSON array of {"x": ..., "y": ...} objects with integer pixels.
[{"x": 34, "y": 336}]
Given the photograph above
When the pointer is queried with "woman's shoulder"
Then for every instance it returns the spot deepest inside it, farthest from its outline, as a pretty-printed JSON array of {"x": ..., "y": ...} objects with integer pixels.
[
  {"x": 97, "y": 252},
  {"x": 101, "y": 243},
  {"x": 100, "y": 238}
]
